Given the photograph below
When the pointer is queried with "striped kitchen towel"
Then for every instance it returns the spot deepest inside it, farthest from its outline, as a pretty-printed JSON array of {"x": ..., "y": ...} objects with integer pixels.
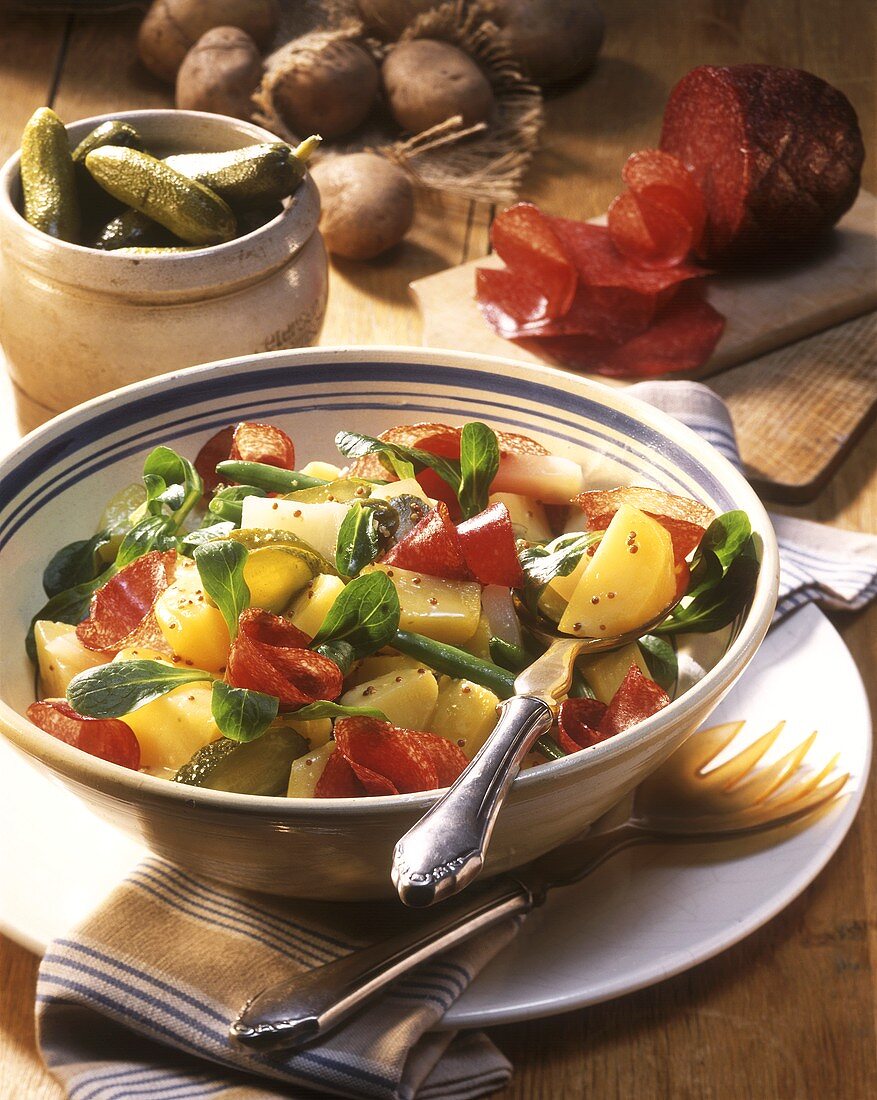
[
  {"x": 828, "y": 566},
  {"x": 137, "y": 1002}
]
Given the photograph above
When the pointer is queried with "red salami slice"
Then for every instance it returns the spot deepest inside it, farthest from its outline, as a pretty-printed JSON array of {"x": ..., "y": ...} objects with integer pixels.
[
  {"x": 339, "y": 780},
  {"x": 257, "y": 442},
  {"x": 108, "y": 738},
  {"x": 650, "y": 234},
  {"x": 409, "y": 759},
  {"x": 432, "y": 547},
  {"x": 524, "y": 238},
  {"x": 270, "y": 655},
  {"x": 121, "y": 606},
  {"x": 638, "y": 698},
  {"x": 776, "y": 152},
  {"x": 664, "y": 181},
  {"x": 215, "y": 450},
  {"x": 600, "y": 263},
  {"x": 578, "y": 724},
  {"x": 685, "y": 519},
  {"x": 508, "y": 300},
  {"x": 487, "y": 541}
]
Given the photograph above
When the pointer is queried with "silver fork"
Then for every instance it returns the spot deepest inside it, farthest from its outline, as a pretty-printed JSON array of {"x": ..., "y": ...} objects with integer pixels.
[{"x": 684, "y": 801}]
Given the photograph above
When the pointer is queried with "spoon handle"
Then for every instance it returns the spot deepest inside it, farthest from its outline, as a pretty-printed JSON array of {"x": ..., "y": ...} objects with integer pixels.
[{"x": 445, "y": 850}]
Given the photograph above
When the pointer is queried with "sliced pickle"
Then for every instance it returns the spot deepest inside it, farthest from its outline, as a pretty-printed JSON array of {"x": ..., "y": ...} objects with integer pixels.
[
  {"x": 246, "y": 767},
  {"x": 342, "y": 490}
]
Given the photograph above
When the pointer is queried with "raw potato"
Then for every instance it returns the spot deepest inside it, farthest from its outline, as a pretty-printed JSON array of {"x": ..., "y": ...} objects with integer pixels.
[
  {"x": 172, "y": 27},
  {"x": 634, "y": 562},
  {"x": 389, "y": 18},
  {"x": 407, "y": 697},
  {"x": 327, "y": 92},
  {"x": 220, "y": 73},
  {"x": 367, "y": 204},
  {"x": 427, "y": 82},
  {"x": 555, "y": 40},
  {"x": 60, "y": 657}
]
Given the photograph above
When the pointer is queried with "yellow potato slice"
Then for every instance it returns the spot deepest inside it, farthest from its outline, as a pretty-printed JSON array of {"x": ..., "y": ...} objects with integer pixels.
[
  {"x": 407, "y": 697},
  {"x": 630, "y": 580},
  {"x": 193, "y": 628},
  {"x": 605, "y": 671},
  {"x": 447, "y": 611},
  {"x": 465, "y": 713},
  {"x": 312, "y": 606},
  {"x": 60, "y": 657},
  {"x": 306, "y": 771}
]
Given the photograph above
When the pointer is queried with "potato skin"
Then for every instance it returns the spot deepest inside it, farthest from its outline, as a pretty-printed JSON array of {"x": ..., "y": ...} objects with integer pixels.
[
  {"x": 427, "y": 82},
  {"x": 367, "y": 204},
  {"x": 555, "y": 40},
  {"x": 329, "y": 93},
  {"x": 172, "y": 27},
  {"x": 220, "y": 73}
]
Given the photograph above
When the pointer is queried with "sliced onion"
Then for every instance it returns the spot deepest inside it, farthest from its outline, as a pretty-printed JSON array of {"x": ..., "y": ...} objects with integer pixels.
[{"x": 499, "y": 609}]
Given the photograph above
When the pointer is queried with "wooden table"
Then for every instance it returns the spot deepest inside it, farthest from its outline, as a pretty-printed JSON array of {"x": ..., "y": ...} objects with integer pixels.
[{"x": 788, "y": 1014}]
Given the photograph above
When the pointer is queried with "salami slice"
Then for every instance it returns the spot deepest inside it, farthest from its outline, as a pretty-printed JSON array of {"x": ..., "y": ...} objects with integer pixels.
[
  {"x": 508, "y": 300},
  {"x": 270, "y": 655},
  {"x": 663, "y": 181},
  {"x": 122, "y": 605},
  {"x": 432, "y": 547},
  {"x": 409, "y": 760},
  {"x": 108, "y": 738},
  {"x": 776, "y": 152},
  {"x": 651, "y": 234},
  {"x": 525, "y": 239},
  {"x": 217, "y": 449},
  {"x": 257, "y": 442},
  {"x": 578, "y": 724},
  {"x": 487, "y": 541},
  {"x": 638, "y": 698}
]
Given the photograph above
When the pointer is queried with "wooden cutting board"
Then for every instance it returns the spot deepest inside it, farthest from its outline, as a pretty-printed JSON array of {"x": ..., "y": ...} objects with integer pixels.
[{"x": 797, "y": 362}]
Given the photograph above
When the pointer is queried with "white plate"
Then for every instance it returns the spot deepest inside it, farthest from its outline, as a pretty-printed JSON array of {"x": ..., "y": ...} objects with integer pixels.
[{"x": 644, "y": 916}]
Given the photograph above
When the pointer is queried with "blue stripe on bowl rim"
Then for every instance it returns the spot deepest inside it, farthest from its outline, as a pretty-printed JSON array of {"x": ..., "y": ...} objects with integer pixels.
[{"x": 38, "y": 468}]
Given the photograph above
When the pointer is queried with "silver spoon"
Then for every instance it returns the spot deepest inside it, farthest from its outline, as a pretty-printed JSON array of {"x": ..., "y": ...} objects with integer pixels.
[{"x": 445, "y": 850}]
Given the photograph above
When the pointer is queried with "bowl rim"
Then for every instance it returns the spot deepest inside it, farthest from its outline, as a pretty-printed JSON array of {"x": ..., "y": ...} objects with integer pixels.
[
  {"x": 130, "y": 786},
  {"x": 10, "y": 171}
]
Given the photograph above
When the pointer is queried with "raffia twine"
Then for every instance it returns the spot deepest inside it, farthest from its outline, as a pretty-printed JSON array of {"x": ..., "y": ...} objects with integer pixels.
[{"x": 485, "y": 162}]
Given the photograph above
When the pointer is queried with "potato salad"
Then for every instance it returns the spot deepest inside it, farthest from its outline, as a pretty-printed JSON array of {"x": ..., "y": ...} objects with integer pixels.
[{"x": 349, "y": 628}]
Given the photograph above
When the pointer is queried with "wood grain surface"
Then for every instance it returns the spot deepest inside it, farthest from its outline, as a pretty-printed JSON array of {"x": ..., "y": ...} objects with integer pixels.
[{"x": 791, "y": 1012}]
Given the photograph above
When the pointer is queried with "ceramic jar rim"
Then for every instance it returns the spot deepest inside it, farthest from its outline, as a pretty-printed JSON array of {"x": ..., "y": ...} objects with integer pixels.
[{"x": 211, "y": 271}]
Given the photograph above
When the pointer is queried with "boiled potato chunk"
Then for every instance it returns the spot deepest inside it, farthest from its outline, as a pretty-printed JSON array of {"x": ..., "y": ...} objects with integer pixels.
[
  {"x": 465, "y": 713},
  {"x": 605, "y": 671},
  {"x": 370, "y": 668},
  {"x": 273, "y": 576},
  {"x": 558, "y": 592},
  {"x": 306, "y": 771},
  {"x": 312, "y": 606},
  {"x": 315, "y": 524},
  {"x": 479, "y": 644},
  {"x": 407, "y": 697},
  {"x": 630, "y": 580},
  {"x": 60, "y": 657},
  {"x": 527, "y": 515},
  {"x": 170, "y": 730},
  {"x": 447, "y": 611},
  {"x": 316, "y": 732},
  {"x": 326, "y": 471},
  {"x": 193, "y": 628},
  {"x": 407, "y": 487}
]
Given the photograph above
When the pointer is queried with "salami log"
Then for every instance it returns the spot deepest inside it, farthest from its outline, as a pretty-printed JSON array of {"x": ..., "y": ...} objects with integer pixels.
[{"x": 777, "y": 153}]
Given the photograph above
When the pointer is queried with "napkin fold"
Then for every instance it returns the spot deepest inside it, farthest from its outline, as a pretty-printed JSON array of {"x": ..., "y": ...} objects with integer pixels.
[{"x": 137, "y": 1001}]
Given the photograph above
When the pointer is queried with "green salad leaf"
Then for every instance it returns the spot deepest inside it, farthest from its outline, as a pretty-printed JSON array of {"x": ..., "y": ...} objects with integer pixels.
[
  {"x": 557, "y": 558},
  {"x": 341, "y": 652},
  {"x": 172, "y": 484},
  {"x": 149, "y": 533},
  {"x": 324, "y": 709},
  {"x": 109, "y": 691},
  {"x": 365, "y": 531},
  {"x": 202, "y": 535},
  {"x": 228, "y": 502},
  {"x": 221, "y": 569},
  {"x": 76, "y": 563},
  {"x": 365, "y": 615},
  {"x": 241, "y": 713},
  {"x": 404, "y": 462},
  {"x": 661, "y": 660},
  {"x": 479, "y": 463}
]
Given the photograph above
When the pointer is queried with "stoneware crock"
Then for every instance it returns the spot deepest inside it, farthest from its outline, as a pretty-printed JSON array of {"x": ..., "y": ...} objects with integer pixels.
[
  {"x": 53, "y": 488},
  {"x": 76, "y": 322}
]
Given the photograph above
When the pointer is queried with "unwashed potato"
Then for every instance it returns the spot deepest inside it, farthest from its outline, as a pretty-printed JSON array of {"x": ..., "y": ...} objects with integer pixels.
[
  {"x": 172, "y": 27},
  {"x": 367, "y": 204},
  {"x": 220, "y": 73},
  {"x": 555, "y": 40},
  {"x": 388, "y": 18},
  {"x": 427, "y": 81},
  {"x": 327, "y": 92}
]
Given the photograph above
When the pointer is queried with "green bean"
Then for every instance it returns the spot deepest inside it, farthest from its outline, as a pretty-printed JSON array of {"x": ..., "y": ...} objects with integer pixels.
[{"x": 274, "y": 479}]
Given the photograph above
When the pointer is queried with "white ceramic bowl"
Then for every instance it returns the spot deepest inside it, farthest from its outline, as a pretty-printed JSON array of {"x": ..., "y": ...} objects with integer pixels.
[
  {"x": 76, "y": 321},
  {"x": 53, "y": 488}
]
